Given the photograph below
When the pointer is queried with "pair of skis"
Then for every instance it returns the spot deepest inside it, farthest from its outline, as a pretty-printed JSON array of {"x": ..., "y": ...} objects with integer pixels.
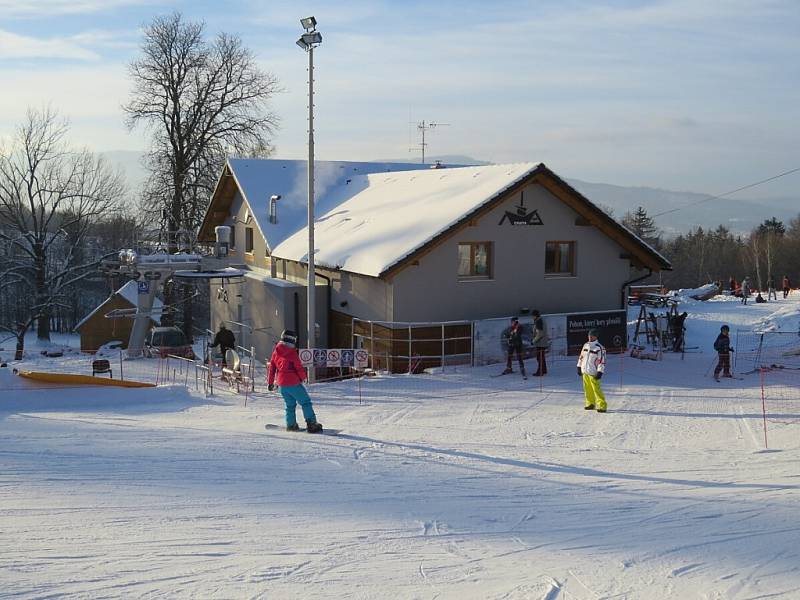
[{"x": 524, "y": 376}]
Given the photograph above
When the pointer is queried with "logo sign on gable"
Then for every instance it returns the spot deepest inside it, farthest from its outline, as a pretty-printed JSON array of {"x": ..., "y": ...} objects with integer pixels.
[
  {"x": 522, "y": 216},
  {"x": 143, "y": 287}
]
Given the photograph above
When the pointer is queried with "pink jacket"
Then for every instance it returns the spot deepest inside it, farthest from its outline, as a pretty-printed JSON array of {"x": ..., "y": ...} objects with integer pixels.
[{"x": 285, "y": 362}]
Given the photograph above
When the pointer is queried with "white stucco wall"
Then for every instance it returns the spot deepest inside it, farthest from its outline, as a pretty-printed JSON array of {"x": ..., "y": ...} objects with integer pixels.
[{"x": 432, "y": 291}]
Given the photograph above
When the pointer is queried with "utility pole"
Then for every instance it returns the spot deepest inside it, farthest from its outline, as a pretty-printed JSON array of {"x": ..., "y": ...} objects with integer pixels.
[{"x": 423, "y": 127}]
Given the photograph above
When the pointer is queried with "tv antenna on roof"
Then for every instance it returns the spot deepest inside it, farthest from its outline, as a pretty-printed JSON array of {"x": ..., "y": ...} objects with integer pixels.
[{"x": 423, "y": 126}]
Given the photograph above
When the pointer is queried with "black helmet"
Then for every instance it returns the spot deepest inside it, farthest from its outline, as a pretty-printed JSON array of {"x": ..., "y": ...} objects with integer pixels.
[
  {"x": 289, "y": 337},
  {"x": 724, "y": 328}
]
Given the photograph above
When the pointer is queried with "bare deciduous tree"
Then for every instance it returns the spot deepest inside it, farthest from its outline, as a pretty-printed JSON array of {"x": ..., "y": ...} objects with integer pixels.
[
  {"x": 50, "y": 195},
  {"x": 200, "y": 100}
]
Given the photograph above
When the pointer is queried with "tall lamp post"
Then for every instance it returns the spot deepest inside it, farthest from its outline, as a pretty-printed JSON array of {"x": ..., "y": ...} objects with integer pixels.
[{"x": 308, "y": 41}]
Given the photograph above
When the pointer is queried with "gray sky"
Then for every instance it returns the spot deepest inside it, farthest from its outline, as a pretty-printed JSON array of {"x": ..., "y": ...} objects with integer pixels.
[{"x": 680, "y": 94}]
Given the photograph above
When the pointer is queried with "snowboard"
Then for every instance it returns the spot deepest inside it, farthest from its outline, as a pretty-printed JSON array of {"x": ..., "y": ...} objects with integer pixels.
[{"x": 325, "y": 430}]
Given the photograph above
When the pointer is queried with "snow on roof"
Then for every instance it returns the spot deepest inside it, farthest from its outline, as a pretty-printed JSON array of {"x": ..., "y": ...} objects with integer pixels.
[
  {"x": 268, "y": 279},
  {"x": 370, "y": 223},
  {"x": 260, "y": 179},
  {"x": 130, "y": 292}
]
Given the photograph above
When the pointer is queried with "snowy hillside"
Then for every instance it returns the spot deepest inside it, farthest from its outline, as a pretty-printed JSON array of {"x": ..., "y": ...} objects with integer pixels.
[{"x": 451, "y": 485}]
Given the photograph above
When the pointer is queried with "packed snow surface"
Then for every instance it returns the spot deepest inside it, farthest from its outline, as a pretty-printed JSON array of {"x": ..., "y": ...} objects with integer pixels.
[{"x": 449, "y": 485}]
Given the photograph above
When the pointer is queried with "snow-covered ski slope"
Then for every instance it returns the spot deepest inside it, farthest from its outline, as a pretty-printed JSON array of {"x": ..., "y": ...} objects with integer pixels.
[{"x": 452, "y": 485}]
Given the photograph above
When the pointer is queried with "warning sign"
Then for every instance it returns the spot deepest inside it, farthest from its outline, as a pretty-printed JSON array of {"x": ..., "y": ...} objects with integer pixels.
[
  {"x": 306, "y": 356},
  {"x": 334, "y": 358}
]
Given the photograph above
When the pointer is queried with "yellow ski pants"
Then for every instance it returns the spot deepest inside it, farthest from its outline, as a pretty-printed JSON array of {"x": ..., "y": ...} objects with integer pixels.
[{"x": 593, "y": 393}]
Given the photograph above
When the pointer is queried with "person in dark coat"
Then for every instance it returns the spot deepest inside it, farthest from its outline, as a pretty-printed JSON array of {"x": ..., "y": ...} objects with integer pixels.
[
  {"x": 677, "y": 331},
  {"x": 225, "y": 339},
  {"x": 514, "y": 341},
  {"x": 540, "y": 342},
  {"x": 786, "y": 286},
  {"x": 723, "y": 347},
  {"x": 732, "y": 284},
  {"x": 771, "y": 293}
]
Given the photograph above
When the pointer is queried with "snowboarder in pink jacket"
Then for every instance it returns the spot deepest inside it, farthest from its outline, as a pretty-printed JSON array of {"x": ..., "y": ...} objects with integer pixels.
[{"x": 288, "y": 372}]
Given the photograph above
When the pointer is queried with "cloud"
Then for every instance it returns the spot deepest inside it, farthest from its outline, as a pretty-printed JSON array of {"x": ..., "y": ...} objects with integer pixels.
[
  {"x": 88, "y": 95},
  {"x": 14, "y": 46},
  {"x": 49, "y": 8}
]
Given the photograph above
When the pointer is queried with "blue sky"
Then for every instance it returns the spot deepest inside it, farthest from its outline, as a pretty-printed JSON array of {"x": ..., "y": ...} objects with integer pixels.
[{"x": 681, "y": 94}]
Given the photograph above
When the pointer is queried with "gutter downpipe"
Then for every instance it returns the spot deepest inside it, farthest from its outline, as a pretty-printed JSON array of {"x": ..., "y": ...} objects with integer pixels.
[
  {"x": 632, "y": 281},
  {"x": 330, "y": 307}
]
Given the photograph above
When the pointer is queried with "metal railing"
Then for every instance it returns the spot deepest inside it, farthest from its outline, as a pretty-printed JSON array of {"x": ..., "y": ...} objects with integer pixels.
[{"x": 365, "y": 336}]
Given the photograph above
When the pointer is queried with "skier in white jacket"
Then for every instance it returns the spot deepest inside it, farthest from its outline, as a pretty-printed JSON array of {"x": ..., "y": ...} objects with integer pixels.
[{"x": 591, "y": 365}]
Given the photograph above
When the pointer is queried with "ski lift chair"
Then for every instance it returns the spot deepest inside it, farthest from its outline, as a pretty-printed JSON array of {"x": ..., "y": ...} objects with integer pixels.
[
  {"x": 232, "y": 373},
  {"x": 237, "y": 373},
  {"x": 233, "y": 364},
  {"x": 102, "y": 366}
]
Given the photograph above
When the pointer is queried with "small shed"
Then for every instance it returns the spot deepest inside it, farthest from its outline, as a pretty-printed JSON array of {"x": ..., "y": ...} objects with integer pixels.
[{"x": 96, "y": 329}]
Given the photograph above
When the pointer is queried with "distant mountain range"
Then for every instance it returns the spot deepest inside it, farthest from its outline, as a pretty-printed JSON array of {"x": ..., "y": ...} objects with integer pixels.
[{"x": 739, "y": 215}]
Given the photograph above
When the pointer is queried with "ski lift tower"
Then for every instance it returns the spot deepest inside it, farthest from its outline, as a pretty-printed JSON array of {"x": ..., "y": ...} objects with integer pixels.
[
  {"x": 152, "y": 270},
  {"x": 422, "y": 126}
]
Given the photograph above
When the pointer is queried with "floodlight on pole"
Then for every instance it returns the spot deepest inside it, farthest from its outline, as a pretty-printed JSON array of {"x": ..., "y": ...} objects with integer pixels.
[{"x": 308, "y": 41}]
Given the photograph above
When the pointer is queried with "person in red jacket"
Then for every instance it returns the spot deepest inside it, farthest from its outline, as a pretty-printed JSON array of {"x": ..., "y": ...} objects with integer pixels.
[{"x": 285, "y": 363}]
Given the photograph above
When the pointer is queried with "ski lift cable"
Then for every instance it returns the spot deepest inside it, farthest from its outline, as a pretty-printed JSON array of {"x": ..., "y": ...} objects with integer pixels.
[{"x": 745, "y": 187}]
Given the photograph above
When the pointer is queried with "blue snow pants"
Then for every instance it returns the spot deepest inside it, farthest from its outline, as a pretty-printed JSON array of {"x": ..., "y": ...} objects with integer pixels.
[{"x": 294, "y": 395}]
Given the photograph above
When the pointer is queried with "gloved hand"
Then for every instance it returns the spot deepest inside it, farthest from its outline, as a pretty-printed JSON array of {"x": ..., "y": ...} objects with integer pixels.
[
  {"x": 598, "y": 376},
  {"x": 730, "y": 350},
  {"x": 580, "y": 374},
  {"x": 271, "y": 387}
]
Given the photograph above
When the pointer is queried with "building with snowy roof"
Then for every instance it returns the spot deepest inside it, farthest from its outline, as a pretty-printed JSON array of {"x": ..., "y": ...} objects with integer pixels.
[
  {"x": 96, "y": 328},
  {"x": 401, "y": 242}
]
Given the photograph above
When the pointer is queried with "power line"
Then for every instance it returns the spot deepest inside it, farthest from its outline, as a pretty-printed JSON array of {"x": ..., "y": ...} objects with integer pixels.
[{"x": 745, "y": 187}]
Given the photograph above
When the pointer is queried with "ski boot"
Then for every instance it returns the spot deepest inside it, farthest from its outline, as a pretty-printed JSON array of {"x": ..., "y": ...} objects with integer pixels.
[
  {"x": 294, "y": 427},
  {"x": 507, "y": 372},
  {"x": 313, "y": 427}
]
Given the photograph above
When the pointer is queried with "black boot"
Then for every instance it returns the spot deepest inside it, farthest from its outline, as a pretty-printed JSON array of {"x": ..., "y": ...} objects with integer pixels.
[
  {"x": 313, "y": 427},
  {"x": 294, "y": 427}
]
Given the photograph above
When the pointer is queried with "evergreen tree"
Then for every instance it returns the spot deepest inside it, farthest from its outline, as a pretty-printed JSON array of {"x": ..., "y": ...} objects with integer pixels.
[{"x": 643, "y": 225}]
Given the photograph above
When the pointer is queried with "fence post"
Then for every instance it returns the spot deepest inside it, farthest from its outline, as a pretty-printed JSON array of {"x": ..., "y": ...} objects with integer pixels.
[
  {"x": 472, "y": 344},
  {"x": 761, "y": 372},
  {"x": 409, "y": 349},
  {"x": 372, "y": 344},
  {"x": 121, "y": 373},
  {"x": 442, "y": 365}
]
